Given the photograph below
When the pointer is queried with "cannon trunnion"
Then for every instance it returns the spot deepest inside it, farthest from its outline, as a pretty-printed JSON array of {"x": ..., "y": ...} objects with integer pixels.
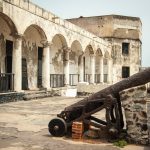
[{"x": 107, "y": 99}]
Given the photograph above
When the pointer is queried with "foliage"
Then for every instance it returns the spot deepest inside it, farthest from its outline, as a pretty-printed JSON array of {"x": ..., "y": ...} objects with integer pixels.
[{"x": 120, "y": 143}]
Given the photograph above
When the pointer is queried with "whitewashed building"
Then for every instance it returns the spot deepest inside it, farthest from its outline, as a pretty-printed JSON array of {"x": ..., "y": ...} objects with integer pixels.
[{"x": 40, "y": 50}]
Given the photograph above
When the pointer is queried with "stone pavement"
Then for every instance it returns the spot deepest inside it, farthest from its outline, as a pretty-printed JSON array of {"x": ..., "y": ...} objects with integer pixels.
[{"x": 23, "y": 126}]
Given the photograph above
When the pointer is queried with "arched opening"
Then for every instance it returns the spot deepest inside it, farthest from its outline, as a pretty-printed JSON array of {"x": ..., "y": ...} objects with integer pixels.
[
  {"x": 32, "y": 57},
  {"x": 75, "y": 63},
  {"x": 57, "y": 57},
  {"x": 87, "y": 63},
  {"x": 98, "y": 66},
  {"x": 106, "y": 66},
  {"x": 7, "y": 31}
]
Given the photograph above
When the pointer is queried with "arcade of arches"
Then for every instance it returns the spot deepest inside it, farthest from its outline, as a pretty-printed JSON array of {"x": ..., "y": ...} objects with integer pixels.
[
  {"x": 30, "y": 61},
  {"x": 40, "y": 50}
]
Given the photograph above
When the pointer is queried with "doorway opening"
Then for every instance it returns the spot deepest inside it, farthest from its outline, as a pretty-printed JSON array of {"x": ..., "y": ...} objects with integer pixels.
[
  {"x": 8, "y": 66},
  {"x": 24, "y": 75},
  {"x": 40, "y": 55}
]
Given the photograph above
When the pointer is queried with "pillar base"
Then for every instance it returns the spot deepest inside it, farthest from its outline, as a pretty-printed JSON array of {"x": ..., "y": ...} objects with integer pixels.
[
  {"x": 93, "y": 83},
  {"x": 66, "y": 85}
]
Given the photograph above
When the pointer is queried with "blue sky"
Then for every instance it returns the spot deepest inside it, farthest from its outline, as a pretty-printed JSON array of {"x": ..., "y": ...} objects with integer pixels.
[{"x": 75, "y": 8}]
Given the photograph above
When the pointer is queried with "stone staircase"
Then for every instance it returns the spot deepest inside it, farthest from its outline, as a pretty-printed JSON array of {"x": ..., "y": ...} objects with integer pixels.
[{"x": 37, "y": 94}]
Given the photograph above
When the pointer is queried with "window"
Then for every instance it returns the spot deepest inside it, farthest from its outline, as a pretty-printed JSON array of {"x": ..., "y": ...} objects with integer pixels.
[
  {"x": 105, "y": 61},
  {"x": 125, "y": 72},
  {"x": 125, "y": 48}
]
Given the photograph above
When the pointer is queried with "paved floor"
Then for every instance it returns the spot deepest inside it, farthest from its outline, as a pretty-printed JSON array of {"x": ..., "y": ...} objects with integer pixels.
[{"x": 23, "y": 126}]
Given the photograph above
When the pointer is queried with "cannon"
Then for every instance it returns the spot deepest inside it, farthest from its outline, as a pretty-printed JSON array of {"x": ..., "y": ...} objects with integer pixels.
[{"x": 107, "y": 99}]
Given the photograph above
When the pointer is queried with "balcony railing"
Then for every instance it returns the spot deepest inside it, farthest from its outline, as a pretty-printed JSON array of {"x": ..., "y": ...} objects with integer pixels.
[
  {"x": 73, "y": 79},
  {"x": 87, "y": 78},
  {"x": 57, "y": 80},
  {"x": 6, "y": 82},
  {"x": 97, "y": 78}
]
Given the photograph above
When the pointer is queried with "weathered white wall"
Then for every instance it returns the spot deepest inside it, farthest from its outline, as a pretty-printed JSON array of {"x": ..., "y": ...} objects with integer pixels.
[
  {"x": 21, "y": 15},
  {"x": 49, "y": 26},
  {"x": 132, "y": 60},
  {"x": 87, "y": 56},
  {"x": 75, "y": 52},
  {"x": 56, "y": 56},
  {"x": 117, "y": 29},
  {"x": 30, "y": 53},
  {"x": 35, "y": 25}
]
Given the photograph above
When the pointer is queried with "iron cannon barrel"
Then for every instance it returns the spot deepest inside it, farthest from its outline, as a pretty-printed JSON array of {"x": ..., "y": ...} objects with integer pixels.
[
  {"x": 137, "y": 79},
  {"x": 107, "y": 98}
]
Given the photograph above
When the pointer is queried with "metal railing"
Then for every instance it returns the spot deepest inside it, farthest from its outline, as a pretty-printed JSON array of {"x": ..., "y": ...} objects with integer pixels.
[
  {"x": 39, "y": 81},
  {"x": 97, "y": 78},
  {"x": 73, "y": 79},
  {"x": 87, "y": 78},
  {"x": 57, "y": 80},
  {"x": 105, "y": 78},
  {"x": 6, "y": 82}
]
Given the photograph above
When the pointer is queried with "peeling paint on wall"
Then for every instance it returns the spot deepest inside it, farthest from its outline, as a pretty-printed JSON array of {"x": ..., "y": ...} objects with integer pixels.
[{"x": 57, "y": 61}]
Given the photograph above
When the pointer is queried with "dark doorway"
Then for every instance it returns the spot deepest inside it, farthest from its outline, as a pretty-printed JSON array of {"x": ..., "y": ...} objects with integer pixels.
[
  {"x": 24, "y": 75},
  {"x": 40, "y": 55},
  {"x": 9, "y": 49},
  {"x": 84, "y": 67},
  {"x": 8, "y": 65},
  {"x": 125, "y": 48},
  {"x": 125, "y": 72}
]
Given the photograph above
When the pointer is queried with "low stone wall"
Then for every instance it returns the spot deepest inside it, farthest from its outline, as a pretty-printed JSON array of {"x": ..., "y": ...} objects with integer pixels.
[
  {"x": 27, "y": 95},
  {"x": 134, "y": 101},
  {"x": 84, "y": 88},
  {"x": 148, "y": 117},
  {"x": 11, "y": 97}
]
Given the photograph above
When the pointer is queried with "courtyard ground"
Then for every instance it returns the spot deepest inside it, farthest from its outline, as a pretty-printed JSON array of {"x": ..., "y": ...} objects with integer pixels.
[{"x": 23, "y": 126}]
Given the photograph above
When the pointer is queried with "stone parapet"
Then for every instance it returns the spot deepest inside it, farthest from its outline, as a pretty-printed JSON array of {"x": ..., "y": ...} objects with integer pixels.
[
  {"x": 35, "y": 9},
  {"x": 134, "y": 101}
]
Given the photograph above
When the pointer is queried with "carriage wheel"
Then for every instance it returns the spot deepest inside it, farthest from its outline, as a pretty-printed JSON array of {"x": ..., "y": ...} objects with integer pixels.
[{"x": 57, "y": 127}]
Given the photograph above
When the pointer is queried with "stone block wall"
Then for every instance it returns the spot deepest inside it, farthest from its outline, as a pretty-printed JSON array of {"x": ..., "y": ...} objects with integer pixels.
[
  {"x": 148, "y": 117},
  {"x": 134, "y": 101},
  {"x": 11, "y": 97},
  {"x": 84, "y": 88}
]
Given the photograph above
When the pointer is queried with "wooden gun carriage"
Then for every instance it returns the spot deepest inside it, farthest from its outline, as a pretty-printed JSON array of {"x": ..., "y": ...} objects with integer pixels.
[{"x": 107, "y": 99}]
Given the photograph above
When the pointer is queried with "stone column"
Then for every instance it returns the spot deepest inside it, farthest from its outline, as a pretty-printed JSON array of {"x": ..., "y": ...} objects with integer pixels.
[
  {"x": 46, "y": 66},
  {"x": 92, "y": 69},
  {"x": 81, "y": 68},
  {"x": 66, "y": 65},
  {"x": 2, "y": 53},
  {"x": 109, "y": 71},
  {"x": 101, "y": 70},
  {"x": 0, "y": 56},
  {"x": 17, "y": 62}
]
